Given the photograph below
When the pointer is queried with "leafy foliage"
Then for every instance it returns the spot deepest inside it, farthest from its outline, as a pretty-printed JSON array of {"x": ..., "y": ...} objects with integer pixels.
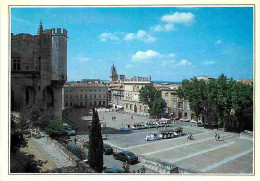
[
  {"x": 56, "y": 129},
  {"x": 148, "y": 94},
  {"x": 35, "y": 116},
  {"x": 152, "y": 97},
  {"x": 158, "y": 106},
  {"x": 194, "y": 91},
  {"x": 17, "y": 137},
  {"x": 218, "y": 97},
  {"x": 95, "y": 155},
  {"x": 77, "y": 151}
]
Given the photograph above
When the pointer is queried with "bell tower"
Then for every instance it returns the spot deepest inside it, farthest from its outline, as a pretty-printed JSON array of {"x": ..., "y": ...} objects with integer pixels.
[{"x": 113, "y": 74}]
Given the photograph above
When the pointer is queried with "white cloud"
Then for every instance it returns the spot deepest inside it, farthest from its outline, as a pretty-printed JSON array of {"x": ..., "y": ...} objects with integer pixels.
[
  {"x": 129, "y": 36},
  {"x": 165, "y": 27},
  {"x": 140, "y": 35},
  {"x": 178, "y": 18},
  {"x": 108, "y": 36},
  {"x": 208, "y": 62},
  {"x": 184, "y": 62},
  {"x": 145, "y": 56},
  {"x": 168, "y": 63},
  {"x": 218, "y": 42}
]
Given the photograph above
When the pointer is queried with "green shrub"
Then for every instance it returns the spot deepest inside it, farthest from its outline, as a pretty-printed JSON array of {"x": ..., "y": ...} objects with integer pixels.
[
  {"x": 56, "y": 129},
  {"x": 77, "y": 151}
]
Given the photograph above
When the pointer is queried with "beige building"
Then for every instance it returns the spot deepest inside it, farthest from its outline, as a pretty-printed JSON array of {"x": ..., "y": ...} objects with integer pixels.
[
  {"x": 131, "y": 100},
  {"x": 205, "y": 77},
  {"x": 117, "y": 94},
  {"x": 175, "y": 105},
  {"x": 85, "y": 94}
]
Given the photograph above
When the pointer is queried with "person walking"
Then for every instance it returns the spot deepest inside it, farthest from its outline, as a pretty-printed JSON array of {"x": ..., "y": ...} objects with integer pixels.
[
  {"x": 188, "y": 136},
  {"x": 75, "y": 140},
  {"x": 216, "y": 136},
  {"x": 191, "y": 136}
]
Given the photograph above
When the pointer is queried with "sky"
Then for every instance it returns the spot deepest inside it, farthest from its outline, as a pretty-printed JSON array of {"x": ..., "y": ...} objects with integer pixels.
[{"x": 168, "y": 43}]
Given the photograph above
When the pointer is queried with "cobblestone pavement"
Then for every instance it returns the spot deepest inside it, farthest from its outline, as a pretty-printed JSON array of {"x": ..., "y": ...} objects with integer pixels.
[{"x": 46, "y": 150}]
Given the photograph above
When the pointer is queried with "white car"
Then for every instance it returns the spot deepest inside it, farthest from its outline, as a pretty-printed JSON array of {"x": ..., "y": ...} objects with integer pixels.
[
  {"x": 152, "y": 136},
  {"x": 194, "y": 121},
  {"x": 184, "y": 120}
]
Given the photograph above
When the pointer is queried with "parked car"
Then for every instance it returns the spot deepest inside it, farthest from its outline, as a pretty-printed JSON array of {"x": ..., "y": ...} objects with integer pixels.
[
  {"x": 108, "y": 150},
  {"x": 152, "y": 136},
  {"x": 151, "y": 124},
  {"x": 210, "y": 125},
  {"x": 70, "y": 132},
  {"x": 126, "y": 156},
  {"x": 184, "y": 120},
  {"x": 138, "y": 126},
  {"x": 165, "y": 119},
  {"x": 125, "y": 128},
  {"x": 163, "y": 123},
  {"x": 113, "y": 170},
  {"x": 194, "y": 121},
  {"x": 176, "y": 118}
]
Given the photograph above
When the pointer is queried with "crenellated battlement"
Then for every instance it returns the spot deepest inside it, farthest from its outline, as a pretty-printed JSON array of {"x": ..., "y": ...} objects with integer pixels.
[{"x": 58, "y": 32}]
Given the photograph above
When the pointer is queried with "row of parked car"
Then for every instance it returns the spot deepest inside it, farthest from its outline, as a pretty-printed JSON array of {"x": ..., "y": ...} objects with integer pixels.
[{"x": 142, "y": 125}]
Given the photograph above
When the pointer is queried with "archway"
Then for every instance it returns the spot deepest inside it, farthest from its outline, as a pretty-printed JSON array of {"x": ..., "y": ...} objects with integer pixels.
[
  {"x": 30, "y": 95},
  {"x": 135, "y": 109}
]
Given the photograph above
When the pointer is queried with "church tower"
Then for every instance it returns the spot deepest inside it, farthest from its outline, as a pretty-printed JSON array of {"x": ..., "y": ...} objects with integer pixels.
[{"x": 113, "y": 74}]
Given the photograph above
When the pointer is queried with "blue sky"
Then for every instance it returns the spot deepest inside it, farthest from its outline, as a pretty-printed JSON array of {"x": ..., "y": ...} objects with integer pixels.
[{"x": 168, "y": 43}]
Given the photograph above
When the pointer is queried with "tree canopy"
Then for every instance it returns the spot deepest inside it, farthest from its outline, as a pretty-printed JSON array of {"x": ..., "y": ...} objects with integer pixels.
[
  {"x": 219, "y": 97},
  {"x": 153, "y": 98},
  {"x": 148, "y": 94}
]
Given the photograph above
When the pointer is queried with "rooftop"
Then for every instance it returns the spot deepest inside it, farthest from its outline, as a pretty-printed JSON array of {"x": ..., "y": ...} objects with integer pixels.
[{"x": 83, "y": 84}]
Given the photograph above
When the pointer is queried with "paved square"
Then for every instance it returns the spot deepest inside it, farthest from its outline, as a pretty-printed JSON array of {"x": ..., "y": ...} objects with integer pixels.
[{"x": 231, "y": 155}]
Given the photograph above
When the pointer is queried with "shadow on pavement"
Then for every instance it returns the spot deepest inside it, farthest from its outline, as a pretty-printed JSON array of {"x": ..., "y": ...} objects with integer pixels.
[{"x": 107, "y": 130}]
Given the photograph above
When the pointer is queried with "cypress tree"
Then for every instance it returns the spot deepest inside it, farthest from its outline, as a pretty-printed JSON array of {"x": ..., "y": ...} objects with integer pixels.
[{"x": 95, "y": 155}]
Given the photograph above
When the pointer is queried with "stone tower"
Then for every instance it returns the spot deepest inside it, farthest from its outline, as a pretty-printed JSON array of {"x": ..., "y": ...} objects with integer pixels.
[
  {"x": 59, "y": 67},
  {"x": 113, "y": 74},
  {"x": 38, "y": 69}
]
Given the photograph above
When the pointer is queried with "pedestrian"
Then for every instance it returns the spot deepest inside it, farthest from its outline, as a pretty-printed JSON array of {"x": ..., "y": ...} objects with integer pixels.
[
  {"x": 216, "y": 135},
  {"x": 75, "y": 140},
  {"x": 188, "y": 136},
  {"x": 191, "y": 136}
]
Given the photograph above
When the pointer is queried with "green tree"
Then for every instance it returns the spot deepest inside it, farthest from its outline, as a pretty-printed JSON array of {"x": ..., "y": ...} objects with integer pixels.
[
  {"x": 158, "y": 107},
  {"x": 224, "y": 102},
  {"x": 242, "y": 101},
  {"x": 195, "y": 92},
  {"x": 36, "y": 116},
  {"x": 95, "y": 155},
  {"x": 148, "y": 94},
  {"x": 56, "y": 129}
]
